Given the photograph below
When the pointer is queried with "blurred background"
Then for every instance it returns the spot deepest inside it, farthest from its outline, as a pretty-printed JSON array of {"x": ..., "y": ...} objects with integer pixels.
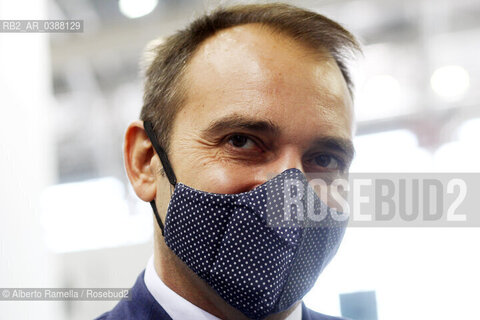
[{"x": 69, "y": 218}]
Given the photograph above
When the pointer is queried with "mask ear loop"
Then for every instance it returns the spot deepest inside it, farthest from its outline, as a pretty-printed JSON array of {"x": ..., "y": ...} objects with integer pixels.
[{"x": 148, "y": 126}]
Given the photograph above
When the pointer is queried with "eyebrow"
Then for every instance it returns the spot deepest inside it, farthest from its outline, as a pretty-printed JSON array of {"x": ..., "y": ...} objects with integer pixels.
[{"x": 238, "y": 122}]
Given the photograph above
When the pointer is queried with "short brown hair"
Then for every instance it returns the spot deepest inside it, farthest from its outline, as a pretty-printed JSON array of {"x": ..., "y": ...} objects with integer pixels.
[{"x": 164, "y": 93}]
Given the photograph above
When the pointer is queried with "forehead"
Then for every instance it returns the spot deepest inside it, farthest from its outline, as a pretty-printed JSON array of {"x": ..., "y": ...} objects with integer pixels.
[{"x": 253, "y": 70}]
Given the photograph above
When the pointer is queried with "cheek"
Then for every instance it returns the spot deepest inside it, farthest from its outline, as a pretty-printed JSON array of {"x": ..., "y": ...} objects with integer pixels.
[
  {"x": 216, "y": 177},
  {"x": 204, "y": 168},
  {"x": 219, "y": 179}
]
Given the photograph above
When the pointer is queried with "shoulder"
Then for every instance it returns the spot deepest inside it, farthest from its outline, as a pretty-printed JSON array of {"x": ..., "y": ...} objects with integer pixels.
[
  {"x": 140, "y": 305},
  {"x": 308, "y": 314}
]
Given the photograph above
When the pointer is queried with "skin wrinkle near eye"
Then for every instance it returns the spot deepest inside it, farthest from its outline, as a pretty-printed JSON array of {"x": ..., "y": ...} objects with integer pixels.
[
  {"x": 340, "y": 150},
  {"x": 208, "y": 152}
]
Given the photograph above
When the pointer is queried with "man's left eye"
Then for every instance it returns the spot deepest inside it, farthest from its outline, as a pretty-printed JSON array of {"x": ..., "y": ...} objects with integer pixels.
[{"x": 327, "y": 161}]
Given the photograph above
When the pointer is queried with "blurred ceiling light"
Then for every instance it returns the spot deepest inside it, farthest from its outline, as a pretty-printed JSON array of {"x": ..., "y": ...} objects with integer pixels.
[
  {"x": 450, "y": 82},
  {"x": 136, "y": 8}
]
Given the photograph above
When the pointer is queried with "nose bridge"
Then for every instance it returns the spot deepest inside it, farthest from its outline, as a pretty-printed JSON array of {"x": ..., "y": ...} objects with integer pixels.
[{"x": 288, "y": 158}]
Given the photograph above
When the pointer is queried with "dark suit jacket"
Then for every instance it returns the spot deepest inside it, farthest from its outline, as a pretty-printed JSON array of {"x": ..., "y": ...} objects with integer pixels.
[{"x": 143, "y": 306}]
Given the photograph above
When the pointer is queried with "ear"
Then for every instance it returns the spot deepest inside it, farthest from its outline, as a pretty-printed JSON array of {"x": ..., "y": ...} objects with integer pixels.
[{"x": 140, "y": 163}]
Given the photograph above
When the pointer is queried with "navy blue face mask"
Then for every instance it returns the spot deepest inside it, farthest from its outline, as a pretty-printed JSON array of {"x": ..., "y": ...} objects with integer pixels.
[{"x": 256, "y": 249}]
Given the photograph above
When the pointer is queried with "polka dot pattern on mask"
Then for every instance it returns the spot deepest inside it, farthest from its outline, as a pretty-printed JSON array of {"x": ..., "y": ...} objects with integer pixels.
[{"x": 257, "y": 267}]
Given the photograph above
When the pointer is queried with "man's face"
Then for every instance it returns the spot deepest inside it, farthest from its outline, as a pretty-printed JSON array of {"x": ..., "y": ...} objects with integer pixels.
[{"x": 257, "y": 104}]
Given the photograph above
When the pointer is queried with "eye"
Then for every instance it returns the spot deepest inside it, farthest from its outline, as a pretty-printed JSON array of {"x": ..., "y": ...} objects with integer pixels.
[
  {"x": 327, "y": 161},
  {"x": 241, "y": 141}
]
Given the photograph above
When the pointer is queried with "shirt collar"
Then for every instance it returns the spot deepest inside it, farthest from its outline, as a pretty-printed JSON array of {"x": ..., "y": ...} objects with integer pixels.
[
  {"x": 178, "y": 307},
  {"x": 175, "y": 305}
]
